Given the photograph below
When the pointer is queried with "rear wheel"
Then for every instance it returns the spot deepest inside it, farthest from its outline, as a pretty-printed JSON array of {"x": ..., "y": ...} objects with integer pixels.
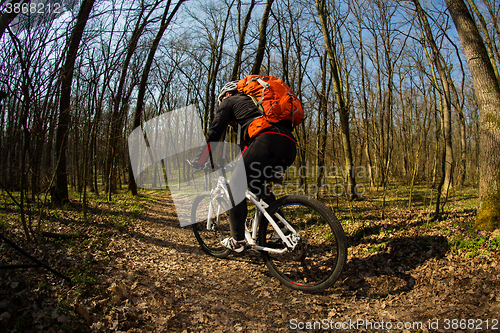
[
  {"x": 319, "y": 258},
  {"x": 219, "y": 228}
]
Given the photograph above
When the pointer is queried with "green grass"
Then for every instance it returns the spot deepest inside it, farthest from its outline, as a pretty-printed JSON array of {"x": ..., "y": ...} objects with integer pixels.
[
  {"x": 84, "y": 277},
  {"x": 378, "y": 247},
  {"x": 329, "y": 236},
  {"x": 4, "y": 223},
  {"x": 481, "y": 246}
]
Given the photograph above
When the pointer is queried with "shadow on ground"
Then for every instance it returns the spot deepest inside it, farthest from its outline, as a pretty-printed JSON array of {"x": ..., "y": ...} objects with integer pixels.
[{"x": 386, "y": 268}]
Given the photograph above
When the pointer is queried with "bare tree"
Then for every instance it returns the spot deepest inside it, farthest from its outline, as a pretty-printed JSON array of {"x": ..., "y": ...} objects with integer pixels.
[
  {"x": 487, "y": 91},
  {"x": 8, "y": 16},
  {"x": 121, "y": 99},
  {"x": 61, "y": 190},
  {"x": 261, "y": 48},
  {"x": 242, "y": 31},
  {"x": 364, "y": 92},
  {"x": 340, "y": 98},
  {"x": 322, "y": 129},
  {"x": 165, "y": 21},
  {"x": 446, "y": 180}
]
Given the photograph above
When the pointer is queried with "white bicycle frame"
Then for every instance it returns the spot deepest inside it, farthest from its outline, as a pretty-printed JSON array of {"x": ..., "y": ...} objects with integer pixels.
[{"x": 221, "y": 191}]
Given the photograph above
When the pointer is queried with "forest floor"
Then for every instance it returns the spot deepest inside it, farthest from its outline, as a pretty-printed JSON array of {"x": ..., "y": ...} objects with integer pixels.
[{"x": 134, "y": 269}]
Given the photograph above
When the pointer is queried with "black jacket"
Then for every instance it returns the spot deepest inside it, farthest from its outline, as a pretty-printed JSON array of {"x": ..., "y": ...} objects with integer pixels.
[{"x": 236, "y": 109}]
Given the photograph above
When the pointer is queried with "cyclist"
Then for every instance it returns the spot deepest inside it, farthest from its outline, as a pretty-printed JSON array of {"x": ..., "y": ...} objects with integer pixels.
[{"x": 274, "y": 147}]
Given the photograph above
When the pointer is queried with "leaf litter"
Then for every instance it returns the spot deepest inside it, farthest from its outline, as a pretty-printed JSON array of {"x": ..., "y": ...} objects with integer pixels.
[{"x": 151, "y": 276}]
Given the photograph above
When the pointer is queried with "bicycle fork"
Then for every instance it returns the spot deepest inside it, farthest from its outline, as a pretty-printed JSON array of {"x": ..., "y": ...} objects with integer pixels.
[{"x": 212, "y": 224}]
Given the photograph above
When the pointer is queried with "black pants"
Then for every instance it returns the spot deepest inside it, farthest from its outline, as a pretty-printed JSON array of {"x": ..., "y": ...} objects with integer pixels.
[{"x": 273, "y": 149}]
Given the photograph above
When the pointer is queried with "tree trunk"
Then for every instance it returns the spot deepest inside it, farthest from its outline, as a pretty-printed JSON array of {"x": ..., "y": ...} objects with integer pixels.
[
  {"x": 340, "y": 98},
  {"x": 463, "y": 150},
  {"x": 322, "y": 129},
  {"x": 446, "y": 182},
  {"x": 241, "y": 42},
  {"x": 120, "y": 103},
  {"x": 61, "y": 190},
  {"x": 487, "y": 92},
  {"x": 132, "y": 185},
  {"x": 463, "y": 138},
  {"x": 365, "y": 114},
  {"x": 262, "y": 38},
  {"x": 488, "y": 42}
]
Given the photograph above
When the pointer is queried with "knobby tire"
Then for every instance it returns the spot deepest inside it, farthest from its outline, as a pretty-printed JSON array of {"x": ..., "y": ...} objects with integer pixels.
[{"x": 318, "y": 260}]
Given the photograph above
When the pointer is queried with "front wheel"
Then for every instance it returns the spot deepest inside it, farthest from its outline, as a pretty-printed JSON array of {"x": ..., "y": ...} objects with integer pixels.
[
  {"x": 319, "y": 258},
  {"x": 209, "y": 237}
]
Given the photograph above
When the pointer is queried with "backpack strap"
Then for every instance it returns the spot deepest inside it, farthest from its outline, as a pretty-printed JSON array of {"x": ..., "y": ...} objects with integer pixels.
[
  {"x": 257, "y": 103},
  {"x": 264, "y": 85}
]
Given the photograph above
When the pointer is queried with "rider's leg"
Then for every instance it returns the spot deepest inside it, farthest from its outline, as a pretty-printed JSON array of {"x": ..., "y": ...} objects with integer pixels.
[{"x": 267, "y": 150}]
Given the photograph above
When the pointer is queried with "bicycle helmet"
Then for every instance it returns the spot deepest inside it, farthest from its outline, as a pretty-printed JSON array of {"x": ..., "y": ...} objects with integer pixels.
[{"x": 228, "y": 87}]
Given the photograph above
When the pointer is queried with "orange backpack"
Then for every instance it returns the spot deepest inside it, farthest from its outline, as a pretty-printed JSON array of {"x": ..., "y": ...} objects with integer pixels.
[{"x": 274, "y": 98}]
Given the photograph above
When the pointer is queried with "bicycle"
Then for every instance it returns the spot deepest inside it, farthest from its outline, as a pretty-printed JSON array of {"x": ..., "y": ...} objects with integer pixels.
[{"x": 301, "y": 240}]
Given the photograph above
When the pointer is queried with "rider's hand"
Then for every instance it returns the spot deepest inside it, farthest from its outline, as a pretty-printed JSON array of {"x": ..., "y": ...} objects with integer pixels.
[{"x": 195, "y": 164}]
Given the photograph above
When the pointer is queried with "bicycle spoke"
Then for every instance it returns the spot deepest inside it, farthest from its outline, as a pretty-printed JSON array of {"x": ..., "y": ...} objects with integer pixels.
[
  {"x": 317, "y": 260},
  {"x": 219, "y": 227}
]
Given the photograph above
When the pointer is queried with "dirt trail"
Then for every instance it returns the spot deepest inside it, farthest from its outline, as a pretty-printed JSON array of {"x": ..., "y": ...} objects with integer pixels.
[
  {"x": 157, "y": 279},
  {"x": 417, "y": 280}
]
